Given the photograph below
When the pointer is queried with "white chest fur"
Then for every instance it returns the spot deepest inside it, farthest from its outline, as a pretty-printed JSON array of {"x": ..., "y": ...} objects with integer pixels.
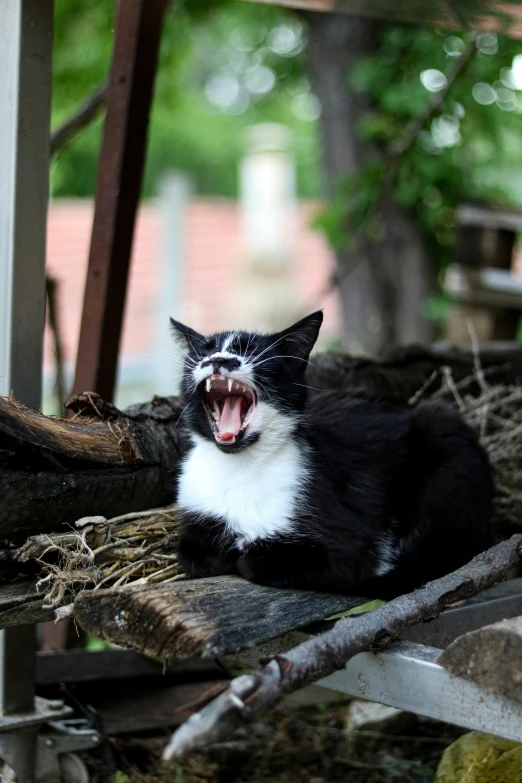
[{"x": 256, "y": 492}]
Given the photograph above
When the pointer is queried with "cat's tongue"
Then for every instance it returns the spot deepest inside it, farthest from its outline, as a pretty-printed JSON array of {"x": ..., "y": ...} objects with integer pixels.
[{"x": 230, "y": 421}]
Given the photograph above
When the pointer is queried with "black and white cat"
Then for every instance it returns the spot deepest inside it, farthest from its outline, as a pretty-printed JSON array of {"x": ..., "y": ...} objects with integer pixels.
[{"x": 327, "y": 491}]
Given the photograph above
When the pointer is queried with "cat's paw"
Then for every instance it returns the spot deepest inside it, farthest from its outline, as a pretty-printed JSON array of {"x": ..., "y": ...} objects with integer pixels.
[
  {"x": 196, "y": 569},
  {"x": 199, "y": 563},
  {"x": 257, "y": 570}
]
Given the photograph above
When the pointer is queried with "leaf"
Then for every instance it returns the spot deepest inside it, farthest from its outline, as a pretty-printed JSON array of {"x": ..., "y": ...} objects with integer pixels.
[{"x": 362, "y": 609}]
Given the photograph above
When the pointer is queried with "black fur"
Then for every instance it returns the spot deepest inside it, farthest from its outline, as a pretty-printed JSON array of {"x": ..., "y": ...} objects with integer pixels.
[{"x": 415, "y": 477}]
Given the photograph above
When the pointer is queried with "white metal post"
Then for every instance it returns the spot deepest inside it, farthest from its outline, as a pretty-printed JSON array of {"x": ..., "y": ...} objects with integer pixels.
[
  {"x": 26, "y": 32},
  {"x": 174, "y": 199}
]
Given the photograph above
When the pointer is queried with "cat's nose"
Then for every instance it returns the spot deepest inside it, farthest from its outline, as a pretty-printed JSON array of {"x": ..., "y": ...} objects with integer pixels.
[{"x": 217, "y": 362}]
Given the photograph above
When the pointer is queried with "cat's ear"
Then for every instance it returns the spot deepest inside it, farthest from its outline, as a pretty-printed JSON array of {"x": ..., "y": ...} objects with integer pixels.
[
  {"x": 300, "y": 338},
  {"x": 185, "y": 337}
]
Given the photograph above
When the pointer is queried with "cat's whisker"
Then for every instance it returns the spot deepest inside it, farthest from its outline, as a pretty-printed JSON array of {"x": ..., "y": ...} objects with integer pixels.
[
  {"x": 189, "y": 357},
  {"x": 313, "y": 388},
  {"x": 268, "y": 348},
  {"x": 181, "y": 416},
  {"x": 284, "y": 356}
]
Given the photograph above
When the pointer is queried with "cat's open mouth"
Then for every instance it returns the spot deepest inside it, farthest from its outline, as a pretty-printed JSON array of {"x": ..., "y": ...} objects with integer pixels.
[{"x": 229, "y": 405}]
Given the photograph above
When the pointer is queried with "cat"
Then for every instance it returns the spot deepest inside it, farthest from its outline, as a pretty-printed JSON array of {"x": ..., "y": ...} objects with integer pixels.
[{"x": 293, "y": 487}]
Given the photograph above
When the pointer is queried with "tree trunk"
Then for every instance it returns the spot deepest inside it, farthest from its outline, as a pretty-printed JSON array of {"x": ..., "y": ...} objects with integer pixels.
[{"x": 389, "y": 279}]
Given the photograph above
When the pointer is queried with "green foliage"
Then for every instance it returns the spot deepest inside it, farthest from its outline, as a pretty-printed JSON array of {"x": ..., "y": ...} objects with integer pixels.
[
  {"x": 466, "y": 152},
  {"x": 352, "y": 208},
  {"x": 203, "y": 41}
]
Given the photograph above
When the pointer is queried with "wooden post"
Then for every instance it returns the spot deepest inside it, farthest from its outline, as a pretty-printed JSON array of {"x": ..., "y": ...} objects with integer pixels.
[
  {"x": 486, "y": 240},
  {"x": 120, "y": 173},
  {"x": 26, "y": 34}
]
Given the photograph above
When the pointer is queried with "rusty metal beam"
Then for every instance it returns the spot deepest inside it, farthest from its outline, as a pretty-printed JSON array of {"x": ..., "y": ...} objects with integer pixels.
[{"x": 120, "y": 173}]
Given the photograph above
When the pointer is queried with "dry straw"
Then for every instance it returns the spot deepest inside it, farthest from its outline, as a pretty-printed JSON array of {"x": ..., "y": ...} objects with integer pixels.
[{"x": 137, "y": 548}]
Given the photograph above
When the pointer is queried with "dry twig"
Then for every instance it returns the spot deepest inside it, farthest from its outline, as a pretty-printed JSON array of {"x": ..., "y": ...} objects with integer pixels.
[{"x": 251, "y": 694}]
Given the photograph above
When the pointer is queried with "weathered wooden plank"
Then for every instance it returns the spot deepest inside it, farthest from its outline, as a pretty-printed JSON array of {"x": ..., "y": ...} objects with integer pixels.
[
  {"x": 484, "y": 15},
  {"x": 143, "y": 707},
  {"x": 311, "y": 661},
  {"x": 20, "y": 604},
  {"x": 27, "y": 613},
  {"x": 202, "y": 617},
  {"x": 16, "y": 593},
  {"x": 86, "y": 666},
  {"x": 490, "y": 657}
]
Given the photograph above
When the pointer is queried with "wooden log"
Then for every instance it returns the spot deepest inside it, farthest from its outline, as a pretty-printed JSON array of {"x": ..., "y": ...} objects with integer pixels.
[
  {"x": 103, "y": 462},
  {"x": 490, "y": 657},
  {"x": 202, "y": 617},
  {"x": 91, "y": 440},
  {"x": 402, "y": 371},
  {"x": 109, "y": 462}
]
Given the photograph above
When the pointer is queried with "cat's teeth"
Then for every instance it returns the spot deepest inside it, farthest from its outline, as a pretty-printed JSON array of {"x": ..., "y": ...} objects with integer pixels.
[
  {"x": 230, "y": 385},
  {"x": 208, "y": 384}
]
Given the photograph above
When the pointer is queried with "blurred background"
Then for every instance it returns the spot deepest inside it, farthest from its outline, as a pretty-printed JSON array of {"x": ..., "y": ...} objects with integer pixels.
[{"x": 297, "y": 160}]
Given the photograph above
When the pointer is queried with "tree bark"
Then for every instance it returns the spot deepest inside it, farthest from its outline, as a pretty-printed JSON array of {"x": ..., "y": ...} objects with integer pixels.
[
  {"x": 103, "y": 462},
  {"x": 389, "y": 279}
]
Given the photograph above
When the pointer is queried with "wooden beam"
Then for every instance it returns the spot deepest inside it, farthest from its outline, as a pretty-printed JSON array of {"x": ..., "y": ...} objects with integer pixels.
[
  {"x": 120, "y": 173},
  {"x": 202, "y": 617},
  {"x": 488, "y": 16},
  {"x": 142, "y": 707},
  {"x": 86, "y": 666}
]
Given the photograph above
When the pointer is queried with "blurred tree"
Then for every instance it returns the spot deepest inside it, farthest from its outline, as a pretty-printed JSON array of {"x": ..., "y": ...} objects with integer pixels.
[
  {"x": 227, "y": 65},
  {"x": 222, "y": 67},
  {"x": 372, "y": 80}
]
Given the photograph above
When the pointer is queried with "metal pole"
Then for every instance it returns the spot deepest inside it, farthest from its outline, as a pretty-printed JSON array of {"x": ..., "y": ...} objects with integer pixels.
[
  {"x": 120, "y": 172},
  {"x": 26, "y": 33},
  {"x": 173, "y": 202}
]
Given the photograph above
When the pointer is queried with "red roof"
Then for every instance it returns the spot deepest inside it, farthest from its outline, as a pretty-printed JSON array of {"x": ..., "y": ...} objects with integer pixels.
[{"x": 211, "y": 275}]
